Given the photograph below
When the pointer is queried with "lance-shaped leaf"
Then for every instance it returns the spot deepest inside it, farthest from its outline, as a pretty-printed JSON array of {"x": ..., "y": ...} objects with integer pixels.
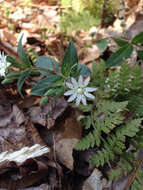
[
  {"x": 11, "y": 76},
  {"x": 14, "y": 61},
  {"x": 44, "y": 100},
  {"x": 22, "y": 54},
  {"x": 102, "y": 44},
  {"x": 117, "y": 57},
  {"x": 45, "y": 84},
  {"x": 120, "y": 42},
  {"x": 21, "y": 80},
  {"x": 48, "y": 63},
  {"x": 138, "y": 38},
  {"x": 70, "y": 61},
  {"x": 83, "y": 70}
]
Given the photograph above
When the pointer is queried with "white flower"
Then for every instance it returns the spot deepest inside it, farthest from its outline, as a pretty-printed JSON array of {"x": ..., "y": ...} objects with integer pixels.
[
  {"x": 3, "y": 64},
  {"x": 79, "y": 90},
  {"x": 107, "y": 80}
]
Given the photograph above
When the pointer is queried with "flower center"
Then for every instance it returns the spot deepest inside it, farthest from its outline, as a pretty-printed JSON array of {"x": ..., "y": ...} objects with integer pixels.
[{"x": 80, "y": 90}]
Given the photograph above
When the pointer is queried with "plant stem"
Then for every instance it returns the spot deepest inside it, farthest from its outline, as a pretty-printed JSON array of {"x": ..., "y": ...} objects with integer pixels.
[
  {"x": 134, "y": 172},
  {"x": 141, "y": 47}
]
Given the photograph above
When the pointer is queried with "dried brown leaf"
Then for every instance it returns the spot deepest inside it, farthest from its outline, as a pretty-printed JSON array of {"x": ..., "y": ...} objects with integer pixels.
[
  {"x": 50, "y": 112},
  {"x": 94, "y": 182},
  {"x": 16, "y": 131},
  {"x": 64, "y": 151}
]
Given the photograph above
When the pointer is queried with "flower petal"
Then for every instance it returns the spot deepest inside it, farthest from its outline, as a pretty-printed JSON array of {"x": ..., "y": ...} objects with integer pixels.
[
  {"x": 107, "y": 79},
  {"x": 78, "y": 99},
  {"x": 108, "y": 85},
  {"x": 89, "y": 95},
  {"x": 3, "y": 57},
  {"x": 83, "y": 100},
  {"x": 80, "y": 80},
  {"x": 86, "y": 81},
  {"x": 72, "y": 97},
  {"x": 90, "y": 89},
  {"x": 8, "y": 64},
  {"x": 69, "y": 85},
  {"x": 69, "y": 92},
  {"x": 74, "y": 82},
  {"x": 2, "y": 72}
]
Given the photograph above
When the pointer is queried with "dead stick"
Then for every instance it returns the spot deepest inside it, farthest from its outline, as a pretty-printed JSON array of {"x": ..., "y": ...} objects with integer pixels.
[{"x": 134, "y": 173}]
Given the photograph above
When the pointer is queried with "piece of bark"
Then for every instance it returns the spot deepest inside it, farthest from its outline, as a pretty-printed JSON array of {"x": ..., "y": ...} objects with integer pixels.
[{"x": 23, "y": 168}]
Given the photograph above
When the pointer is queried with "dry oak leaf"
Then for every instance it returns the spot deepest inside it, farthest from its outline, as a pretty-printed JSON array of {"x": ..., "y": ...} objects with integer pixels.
[
  {"x": 64, "y": 150},
  {"x": 94, "y": 181},
  {"x": 51, "y": 111},
  {"x": 16, "y": 131}
]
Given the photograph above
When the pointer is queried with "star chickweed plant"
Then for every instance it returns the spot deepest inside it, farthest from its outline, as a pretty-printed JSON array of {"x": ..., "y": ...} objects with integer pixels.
[
  {"x": 4, "y": 64},
  {"x": 79, "y": 90}
]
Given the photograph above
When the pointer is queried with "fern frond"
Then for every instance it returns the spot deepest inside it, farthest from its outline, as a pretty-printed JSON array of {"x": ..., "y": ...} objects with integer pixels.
[
  {"x": 124, "y": 77},
  {"x": 116, "y": 143},
  {"x": 139, "y": 109},
  {"x": 130, "y": 129},
  {"x": 136, "y": 83},
  {"x": 114, "y": 121},
  {"x": 137, "y": 141},
  {"x": 88, "y": 141},
  {"x": 98, "y": 73},
  {"x": 123, "y": 167},
  {"x": 109, "y": 115},
  {"x": 124, "y": 82}
]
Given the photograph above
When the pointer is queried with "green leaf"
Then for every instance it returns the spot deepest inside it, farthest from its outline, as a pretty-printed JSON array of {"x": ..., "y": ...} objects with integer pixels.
[
  {"x": 120, "y": 42},
  {"x": 21, "y": 81},
  {"x": 10, "y": 77},
  {"x": 43, "y": 100},
  {"x": 14, "y": 74},
  {"x": 138, "y": 38},
  {"x": 102, "y": 44},
  {"x": 57, "y": 91},
  {"x": 60, "y": 91},
  {"x": 140, "y": 54},
  {"x": 84, "y": 70},
  {"x": 7, "y": 80},
  {"x": 22, "y": 54},
  {"x": 88, "y": 122},
  {"x": 117, "y": 57},
  {"x": 39, "y": 91},
  {"x": 50, "y": 92},
  {"x": 44, "y": 85},
  {"x": 14, "y": 62},
  {"x": 47, "y": 63},
  {"x": 70, "y": 59}
]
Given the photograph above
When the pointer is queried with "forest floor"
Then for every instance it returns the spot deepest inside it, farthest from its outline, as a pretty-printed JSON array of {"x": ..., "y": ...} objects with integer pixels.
[{"x": 24, "y": 123}]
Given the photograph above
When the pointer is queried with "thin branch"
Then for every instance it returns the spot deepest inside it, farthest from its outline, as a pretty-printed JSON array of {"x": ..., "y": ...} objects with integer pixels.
[
  {"x": 134, "y": 172},
  {"x": 132, "y": 43}
]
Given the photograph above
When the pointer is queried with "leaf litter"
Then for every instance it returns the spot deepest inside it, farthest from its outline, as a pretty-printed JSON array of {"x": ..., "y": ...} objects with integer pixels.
[
  {"x": 25, "y": 132},
  {"x": 24, "y": 124}
]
